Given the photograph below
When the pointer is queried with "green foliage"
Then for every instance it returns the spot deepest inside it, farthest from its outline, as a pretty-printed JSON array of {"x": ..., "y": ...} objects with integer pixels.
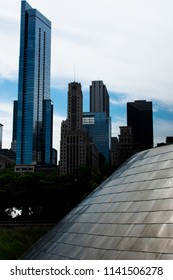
[
  {"x": 15, "y": 241},
  {"x": 41, "y": 196}
]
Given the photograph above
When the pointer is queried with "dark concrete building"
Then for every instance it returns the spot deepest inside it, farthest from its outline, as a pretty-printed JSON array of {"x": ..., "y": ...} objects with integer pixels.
[
  {"x": 114, "y": 153},
  {"x": 9, "y": 153},
  {"x": 140, "y": 118},
  {"x": 125, "y": 143}
]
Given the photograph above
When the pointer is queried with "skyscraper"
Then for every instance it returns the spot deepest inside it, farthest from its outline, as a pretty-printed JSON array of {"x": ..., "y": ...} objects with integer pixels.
[
  {"x": 75, "y": 143},
  {"x": 99, "y": 130},
  {"x": 34, "y": 108},
  {"x": 97, "y": 126},
  {"x": 99, "y": 97},
  {"x": 75, "y": 105},
  {"x": 140, "y": 118}
]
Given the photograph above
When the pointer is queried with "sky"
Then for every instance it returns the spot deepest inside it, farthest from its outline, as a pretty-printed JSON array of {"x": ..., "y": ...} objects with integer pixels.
[{"x": 126, "y": 43}]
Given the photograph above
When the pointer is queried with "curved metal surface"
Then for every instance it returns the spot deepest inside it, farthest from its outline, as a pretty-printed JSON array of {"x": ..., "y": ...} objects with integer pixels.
[{"x": 130, "y": 216}]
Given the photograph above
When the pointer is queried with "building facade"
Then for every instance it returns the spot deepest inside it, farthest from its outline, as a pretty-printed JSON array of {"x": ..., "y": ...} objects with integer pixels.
[
  {"x": 74, "y": 144},
  {"x": 99, "y": 98},
  {"x": 75, "y": 107},
  {"x": 14, "y": 132},
  {"x": 140, "y": 118},
  {"x": 97, "y": 123},
  {"x": 115, "y": 159},
  {"x": 1, "y": 129},
  {"x": 34, "y": 107},
  {"x": 97, "y": 126},
  {"x": 125, "y": 143}
]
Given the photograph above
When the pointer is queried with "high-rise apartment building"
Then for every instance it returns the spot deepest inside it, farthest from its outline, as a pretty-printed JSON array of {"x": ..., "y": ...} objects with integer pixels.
[
  {"x": 74, "y": 145},
  {"x": 34, "y": 107},
  {"x": 140, "y": 118},
  {"x": 99, "y": 97}
]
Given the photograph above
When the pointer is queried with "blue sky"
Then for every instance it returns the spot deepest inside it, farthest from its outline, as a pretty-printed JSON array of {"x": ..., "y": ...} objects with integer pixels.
[{"x": 126, "y": 43}]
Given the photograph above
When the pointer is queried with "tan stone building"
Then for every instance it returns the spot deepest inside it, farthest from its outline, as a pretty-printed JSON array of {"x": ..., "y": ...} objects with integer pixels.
[{"x": 75, "y": 144}]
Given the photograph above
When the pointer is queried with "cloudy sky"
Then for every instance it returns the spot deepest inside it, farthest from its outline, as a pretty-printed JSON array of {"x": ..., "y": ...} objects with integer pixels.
[{"x": 126, "y": 43}]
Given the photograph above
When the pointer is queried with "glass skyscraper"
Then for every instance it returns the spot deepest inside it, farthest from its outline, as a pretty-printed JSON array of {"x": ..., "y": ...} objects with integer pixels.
[
  {"x": 34, "y": 108},
  {"x": 97, "y": 126},
  {"x": 97, "y": 123}
]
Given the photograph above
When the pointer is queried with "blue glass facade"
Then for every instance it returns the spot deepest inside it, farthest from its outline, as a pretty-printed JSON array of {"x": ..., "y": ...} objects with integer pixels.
[
  {"x": 34, "y": 89},
  {"x": 97, "y": 125}
]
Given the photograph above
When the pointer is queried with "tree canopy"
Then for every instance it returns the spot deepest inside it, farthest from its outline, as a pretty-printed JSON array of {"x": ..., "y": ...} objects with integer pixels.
[{"x": 46, "y": 196}]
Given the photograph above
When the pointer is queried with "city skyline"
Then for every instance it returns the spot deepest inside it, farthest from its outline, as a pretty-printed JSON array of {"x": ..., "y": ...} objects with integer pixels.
[{"x": 128, "y": 46}]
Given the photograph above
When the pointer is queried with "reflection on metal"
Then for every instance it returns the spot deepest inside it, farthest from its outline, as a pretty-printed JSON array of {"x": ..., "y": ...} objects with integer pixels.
[{"x": 130, "y": 216}]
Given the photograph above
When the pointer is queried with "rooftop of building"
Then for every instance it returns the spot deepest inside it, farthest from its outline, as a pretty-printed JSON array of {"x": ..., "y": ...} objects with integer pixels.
[{"x": 129, "y": 216}]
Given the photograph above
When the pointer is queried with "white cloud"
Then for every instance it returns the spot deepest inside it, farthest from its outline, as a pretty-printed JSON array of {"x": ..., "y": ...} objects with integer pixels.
[
  {"x": 9, "y": 38},
  {"x": 116, "y": 123},
  {"x": 6, "y": 113},
  {"x": 57, "y": 119},
  {"x": 128, "y": 44},
  {"x": 162, "y": 128}
]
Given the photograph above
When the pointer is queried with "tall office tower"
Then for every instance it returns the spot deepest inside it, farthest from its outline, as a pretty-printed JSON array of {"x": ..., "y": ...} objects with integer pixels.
[
  {"x": 35, "y": 109},
  {"x": 100, "y": 131},
  {"x": 1, "y": 129},
  {"x": 99, "y": 98},
  {"x": 75, "y": 104},
  {"x": 140, "y": 118},
  {"x": 74, "y": 144},
  {"x": 97, "y": 126}
]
